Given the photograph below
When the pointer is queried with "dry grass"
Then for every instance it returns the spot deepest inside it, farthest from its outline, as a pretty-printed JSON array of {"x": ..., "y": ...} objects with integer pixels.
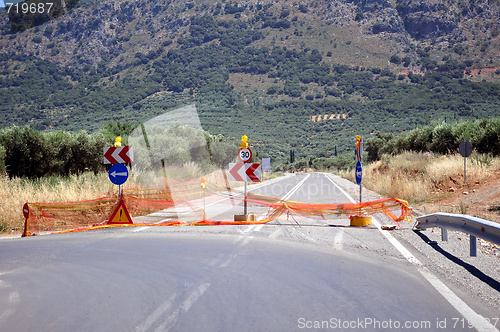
[
  {"x": 420, "y": 177},
  {"x": 15, "y": 192}
]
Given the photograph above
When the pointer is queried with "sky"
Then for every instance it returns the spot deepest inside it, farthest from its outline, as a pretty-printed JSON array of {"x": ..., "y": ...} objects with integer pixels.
[{"x": 2, "y": 2}]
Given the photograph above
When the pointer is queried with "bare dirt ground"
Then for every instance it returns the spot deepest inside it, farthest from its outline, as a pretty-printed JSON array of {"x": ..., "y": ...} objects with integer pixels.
[{"x": 477, "y": 199}]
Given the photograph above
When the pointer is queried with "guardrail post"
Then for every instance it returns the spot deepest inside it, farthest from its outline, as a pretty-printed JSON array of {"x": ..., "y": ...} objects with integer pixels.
[
  {"x": 473, "y": 246},
  {"x": 444, "y": 234}
]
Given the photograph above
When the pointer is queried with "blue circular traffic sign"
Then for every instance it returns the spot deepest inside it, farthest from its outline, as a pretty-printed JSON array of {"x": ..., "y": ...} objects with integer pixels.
[
  {"x": 359, "y": 172},
  {"x": 118, "y": 174}
]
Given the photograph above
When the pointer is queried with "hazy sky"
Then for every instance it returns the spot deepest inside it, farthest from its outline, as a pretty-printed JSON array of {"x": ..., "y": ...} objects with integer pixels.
[{"x": 2, "y": 2}]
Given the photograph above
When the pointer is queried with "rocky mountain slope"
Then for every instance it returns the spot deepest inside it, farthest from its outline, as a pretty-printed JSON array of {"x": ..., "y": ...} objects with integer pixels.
[
  {"x": 356, "y": 32},
  {"x": 304, "y": 70}
]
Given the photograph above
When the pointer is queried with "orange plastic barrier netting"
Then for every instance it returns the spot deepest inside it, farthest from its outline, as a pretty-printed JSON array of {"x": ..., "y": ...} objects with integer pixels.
[
  {"x": 384, "y": 206},
  {"x": 94, "y": 214},
  {"x": 50, "y": 217}
]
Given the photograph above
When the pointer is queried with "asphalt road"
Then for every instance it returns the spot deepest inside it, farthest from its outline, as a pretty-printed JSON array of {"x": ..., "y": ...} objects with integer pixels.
[{"x": 292, "y": 274}]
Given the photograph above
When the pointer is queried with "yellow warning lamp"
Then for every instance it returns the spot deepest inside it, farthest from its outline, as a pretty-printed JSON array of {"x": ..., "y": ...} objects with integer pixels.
[
  {"x": 244, "y": 144},
  {"x": 118, "y": 142},
  {"x": 203, "y": 181},
  {"x": 358, "y": 141}
]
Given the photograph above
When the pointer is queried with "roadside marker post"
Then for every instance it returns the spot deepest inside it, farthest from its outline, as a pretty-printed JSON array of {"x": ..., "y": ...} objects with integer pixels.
[
  {"x": 359, "y": 168},
  {"x": 360, "y": 220},
  {"x": 203, "y": 183},
  {"x": 245, "y": 171},
  {"x": 247, "y": 156},
  {"x": 118, "y": 155},
  {"x": 465, "y": 149},
  {"x": 26, "y": 214}
]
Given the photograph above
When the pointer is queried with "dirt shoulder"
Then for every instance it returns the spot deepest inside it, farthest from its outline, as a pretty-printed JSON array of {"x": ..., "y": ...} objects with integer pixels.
[{"x": 480, "y": 199}]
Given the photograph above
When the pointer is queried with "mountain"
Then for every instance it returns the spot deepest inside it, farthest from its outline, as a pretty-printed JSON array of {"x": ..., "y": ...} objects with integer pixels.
[{"x": 307, "y": 75}]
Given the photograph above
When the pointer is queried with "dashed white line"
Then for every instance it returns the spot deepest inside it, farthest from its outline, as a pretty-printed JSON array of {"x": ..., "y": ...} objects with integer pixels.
[
  {"x": 258, "y": 227},
  {"x": 249, "y": 229},
  {"x": 276, "y": 233},
  {"x": 185, "y": 306},
  {"x": 337, "y": 240},
  {"x": 151, "y": 319},
  {"x": 294, "y": 189}
]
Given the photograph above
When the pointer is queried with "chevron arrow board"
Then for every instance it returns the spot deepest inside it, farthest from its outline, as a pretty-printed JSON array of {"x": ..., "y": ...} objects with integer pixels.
[
  {"x": 249, "y": 172},
  {"x": 121, "y": 155}
]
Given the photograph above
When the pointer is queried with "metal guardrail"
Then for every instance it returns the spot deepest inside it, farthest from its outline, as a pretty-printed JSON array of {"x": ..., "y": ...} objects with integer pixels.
[{"x": 475, "y": 227}]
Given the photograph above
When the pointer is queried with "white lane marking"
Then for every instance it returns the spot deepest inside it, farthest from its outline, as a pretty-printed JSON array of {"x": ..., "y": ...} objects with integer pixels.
[
  {"x": 185, "y": 306},
  {"x": 337, "y": 240},
  {"x": 263, "y": 184},
  {"x": 195, "y": 295},
  {"x": 151, "y": 319},
  {"x": 13, "y": 301},
  {"x": 245, "y": 241},
  {"x": 236, "y": 240},
  {"x": 276, "y": 233},
  {"x": 249, "y": 229},
  {"x": 294, "y": 189},
  {"x": 139, "y": 229},
  {"x": 254, "y": 187},
  {"x": 227, "y": 261},
  {"x": 476, "y": 320},
  {"x": 287, "y": 196},
  {"x": 258, "y": 227}
]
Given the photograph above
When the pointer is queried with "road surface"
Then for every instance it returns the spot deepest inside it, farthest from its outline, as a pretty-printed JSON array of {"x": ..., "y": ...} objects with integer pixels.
[{"x": 292, "y": 274}]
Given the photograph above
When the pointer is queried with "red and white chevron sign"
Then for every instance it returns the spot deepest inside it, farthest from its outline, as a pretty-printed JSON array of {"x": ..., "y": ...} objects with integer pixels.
[
  {"x": 250, "y": 172},
  {"x": 121, "y": 155}
]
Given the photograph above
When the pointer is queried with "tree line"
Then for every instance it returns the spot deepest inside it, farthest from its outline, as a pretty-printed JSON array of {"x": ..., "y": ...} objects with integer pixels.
[
  {"x": 441, "y": 137},
  {"x": 28, "y": 153}
]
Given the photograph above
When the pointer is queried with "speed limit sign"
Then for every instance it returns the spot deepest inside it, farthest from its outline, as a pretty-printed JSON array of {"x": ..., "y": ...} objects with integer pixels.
[{"x": 245, "y": 155}]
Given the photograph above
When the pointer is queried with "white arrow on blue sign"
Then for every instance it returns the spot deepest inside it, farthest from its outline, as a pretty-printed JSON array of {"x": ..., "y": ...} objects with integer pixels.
[
  {"x": 118, "y": 174},
  {"x": 359, "y": 172}
]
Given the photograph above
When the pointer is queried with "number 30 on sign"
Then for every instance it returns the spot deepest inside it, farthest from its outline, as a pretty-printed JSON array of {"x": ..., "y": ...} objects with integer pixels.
[{"x": 245, "y": 155}]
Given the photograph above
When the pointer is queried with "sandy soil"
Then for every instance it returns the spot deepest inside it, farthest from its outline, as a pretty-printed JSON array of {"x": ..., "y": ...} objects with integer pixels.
[{"x": 477, "y": 199}]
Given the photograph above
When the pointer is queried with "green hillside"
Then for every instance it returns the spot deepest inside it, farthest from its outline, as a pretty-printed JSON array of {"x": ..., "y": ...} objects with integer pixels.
[{"x": 307, "y": 77}]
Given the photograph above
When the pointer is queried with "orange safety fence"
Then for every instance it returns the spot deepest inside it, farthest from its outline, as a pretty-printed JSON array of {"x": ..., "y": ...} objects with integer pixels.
[{"x": 94, "y": 214}]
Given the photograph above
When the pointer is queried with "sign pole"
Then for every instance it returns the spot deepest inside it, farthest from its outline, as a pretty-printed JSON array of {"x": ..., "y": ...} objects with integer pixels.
[
  {"x": 203, "y": 182},
  {"x": 245, "y": 201},
  {"x": 360, "y": 193},
  {"x": 465, "y": 170},
  {"x": 465, "y": 149},
  {"x": 245, "y": 155},
  {"x": 359, "y": 159}
]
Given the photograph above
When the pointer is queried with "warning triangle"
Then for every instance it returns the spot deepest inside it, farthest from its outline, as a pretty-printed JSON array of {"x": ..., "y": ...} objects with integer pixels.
[{"x": 120, "y": 215}]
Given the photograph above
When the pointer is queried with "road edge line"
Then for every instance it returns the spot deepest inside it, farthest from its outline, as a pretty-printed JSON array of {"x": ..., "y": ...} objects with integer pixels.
[{"x": 472, "y": 317}]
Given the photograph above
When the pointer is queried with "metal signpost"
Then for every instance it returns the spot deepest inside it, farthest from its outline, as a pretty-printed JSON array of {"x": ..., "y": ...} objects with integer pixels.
[
  {"x": 245, "y": 155},
  {"x": 118, "y": 155},
  {"x": 359, "y": 168},
  {"x": 245, "y": 171},
  {"x": 465, "y": 149}
]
